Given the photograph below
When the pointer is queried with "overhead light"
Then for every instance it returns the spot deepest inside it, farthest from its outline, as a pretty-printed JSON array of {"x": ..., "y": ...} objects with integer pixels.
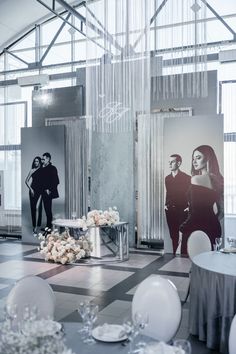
[{"x": 33, "y": 80}]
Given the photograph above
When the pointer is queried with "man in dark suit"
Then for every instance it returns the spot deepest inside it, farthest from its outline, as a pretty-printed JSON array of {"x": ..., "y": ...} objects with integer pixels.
[
  {"x": 177, "y": 184},
  {"x": 49, "y": 183}
]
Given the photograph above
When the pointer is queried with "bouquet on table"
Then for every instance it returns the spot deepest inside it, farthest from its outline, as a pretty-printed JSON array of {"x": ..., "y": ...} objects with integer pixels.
[
  {"x": 63, "y": 248},
  {"x": 32, "y": 337},
  {"x": 99, "y": 218}
]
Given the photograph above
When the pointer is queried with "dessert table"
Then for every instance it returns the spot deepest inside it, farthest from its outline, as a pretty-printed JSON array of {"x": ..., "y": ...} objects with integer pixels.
[
  {"x": 212, "y": 298},
  {"x": 110, "y": 242}
]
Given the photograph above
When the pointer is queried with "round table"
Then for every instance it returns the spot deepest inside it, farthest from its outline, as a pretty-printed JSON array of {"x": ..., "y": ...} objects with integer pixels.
[{"x": 212, "y": 298}]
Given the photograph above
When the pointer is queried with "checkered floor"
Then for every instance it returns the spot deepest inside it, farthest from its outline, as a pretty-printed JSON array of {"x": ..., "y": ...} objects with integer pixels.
[{"x": 111, "y": 286}]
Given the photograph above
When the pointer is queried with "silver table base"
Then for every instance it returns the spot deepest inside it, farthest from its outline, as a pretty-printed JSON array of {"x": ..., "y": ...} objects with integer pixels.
[{"x": 110, "y": 243}]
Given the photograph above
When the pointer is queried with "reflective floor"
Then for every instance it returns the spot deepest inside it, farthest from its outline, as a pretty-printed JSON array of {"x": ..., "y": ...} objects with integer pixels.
[{"x": 111, "y": 286}]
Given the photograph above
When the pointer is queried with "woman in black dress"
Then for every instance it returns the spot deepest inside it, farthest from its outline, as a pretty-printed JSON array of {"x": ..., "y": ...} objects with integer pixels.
[
  {"x": 33, "y": 182},
  {"x": 205, "y": 196}
]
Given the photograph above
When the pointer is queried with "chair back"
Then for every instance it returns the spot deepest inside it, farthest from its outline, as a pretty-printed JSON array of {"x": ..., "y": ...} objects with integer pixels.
[
  {"x": 32, "y": 292},
  {"x": 157, "y": 298},
  {"x": 198, "y": 242},
  {"x": 232, "y": 337}
]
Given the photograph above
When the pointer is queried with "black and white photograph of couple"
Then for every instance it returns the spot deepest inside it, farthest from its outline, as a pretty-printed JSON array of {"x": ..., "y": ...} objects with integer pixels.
[
  {"x": 42, "y": 179},
  {"x": 42, "y": 182},
  {"x": 194, "y": 183}
]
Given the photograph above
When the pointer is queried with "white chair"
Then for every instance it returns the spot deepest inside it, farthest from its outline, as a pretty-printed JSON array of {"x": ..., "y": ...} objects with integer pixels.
[
  {"x": 32, "y": 291},
  {"x": 157, "y": 298},
  {"x": 232, "y": 337},
  {"x": 198, "y": 242}
]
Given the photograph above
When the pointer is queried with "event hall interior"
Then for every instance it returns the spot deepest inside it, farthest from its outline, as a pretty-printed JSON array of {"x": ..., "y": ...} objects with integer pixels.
[{"x": 117, "y": 176}]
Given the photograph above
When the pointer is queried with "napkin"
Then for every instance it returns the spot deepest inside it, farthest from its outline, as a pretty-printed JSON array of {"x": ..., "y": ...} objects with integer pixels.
[
  {"x": 162, "y": 348},
  {"x": 112, "y": 331}
]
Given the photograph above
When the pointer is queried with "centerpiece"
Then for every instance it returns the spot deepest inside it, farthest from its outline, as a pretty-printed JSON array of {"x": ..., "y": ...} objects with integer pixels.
[
  {"x": 99, "y": 218},
  {"x": 64, "y": 248}
]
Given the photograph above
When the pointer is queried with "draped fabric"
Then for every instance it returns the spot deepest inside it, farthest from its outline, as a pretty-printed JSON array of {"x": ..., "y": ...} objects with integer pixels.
[
  {"x": 118, "y": 85},
  {"x": 76, "y": 157},
  {"x": 228, "y": 108},
  {"x": 13, "y": 116}
]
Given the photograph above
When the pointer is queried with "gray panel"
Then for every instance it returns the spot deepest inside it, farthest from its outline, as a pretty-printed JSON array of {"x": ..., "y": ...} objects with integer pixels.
[
  {"x": 200, "y": 105},
  {"x": 112, "y": 176},
  {"x": 61, "y": 102}
]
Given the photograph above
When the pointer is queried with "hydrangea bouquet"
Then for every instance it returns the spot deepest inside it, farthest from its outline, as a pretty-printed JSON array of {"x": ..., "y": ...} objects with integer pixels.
[
  {"x": 63, "y": 248},
  {"x": 99, "y": 218}
]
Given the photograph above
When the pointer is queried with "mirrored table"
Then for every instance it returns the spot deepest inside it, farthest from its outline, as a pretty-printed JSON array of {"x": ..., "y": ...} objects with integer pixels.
[{"x": 110, "y": 242}]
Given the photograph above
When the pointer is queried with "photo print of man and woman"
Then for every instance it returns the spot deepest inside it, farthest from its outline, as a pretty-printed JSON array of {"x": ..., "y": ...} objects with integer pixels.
[
  {"x": 194, "y": 195},
  {"x": 42, "y": 179}
]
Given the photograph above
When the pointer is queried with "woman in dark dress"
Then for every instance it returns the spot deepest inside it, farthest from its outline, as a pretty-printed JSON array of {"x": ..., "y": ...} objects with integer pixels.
[
  {"x": 205, "y": 196},
  {"x": 33, "y": 182}
]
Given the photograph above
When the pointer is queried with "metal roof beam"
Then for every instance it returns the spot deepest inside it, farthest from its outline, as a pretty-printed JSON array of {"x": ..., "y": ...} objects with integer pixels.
[
  {"x": 17, "y": 40},
  {"x": 104, "y": 29},
  {"x": 219, "y": 18},
  {"x": 16, "y": 57},
  {"x": 158, "y": 10},
  {"x": 54, "y": 39},
  {"x": 73, "y": 11},
  {"x": 70, "y": 24}
]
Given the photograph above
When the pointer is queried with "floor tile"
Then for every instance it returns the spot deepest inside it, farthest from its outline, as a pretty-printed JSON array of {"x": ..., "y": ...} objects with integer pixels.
[
  {"x": 12, "y": 249},
  {"x": 137, "y": 261},
  {"x": 90, "y": 277},
  {"x": 19, "y": 269},
  {"x": 177, "y": 264}
]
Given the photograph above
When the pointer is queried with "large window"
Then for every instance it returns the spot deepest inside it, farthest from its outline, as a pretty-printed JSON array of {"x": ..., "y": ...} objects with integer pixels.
[{"x": 13, "y": 117}]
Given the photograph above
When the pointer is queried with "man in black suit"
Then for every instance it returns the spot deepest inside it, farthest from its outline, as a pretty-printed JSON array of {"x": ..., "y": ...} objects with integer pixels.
[
  {"x": 177, "y": 184},
  {"x": 49, "y": 183}
]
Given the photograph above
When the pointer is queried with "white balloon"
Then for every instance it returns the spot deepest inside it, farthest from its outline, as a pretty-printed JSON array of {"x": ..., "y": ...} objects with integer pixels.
[{"x": 158, "y": 298}]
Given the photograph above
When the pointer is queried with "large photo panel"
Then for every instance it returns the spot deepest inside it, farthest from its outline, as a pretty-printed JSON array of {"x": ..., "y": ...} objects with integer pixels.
[
  {"x": 193, "y": 179},
  {"x": 43, "y": 179}
]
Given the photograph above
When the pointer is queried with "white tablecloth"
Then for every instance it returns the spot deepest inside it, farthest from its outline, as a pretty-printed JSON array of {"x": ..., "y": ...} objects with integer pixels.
[{"x": 213, "y": 298}]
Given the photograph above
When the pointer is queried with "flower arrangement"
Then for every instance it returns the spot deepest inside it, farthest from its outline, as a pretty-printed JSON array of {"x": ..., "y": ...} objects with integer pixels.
[
  {"x": 63, "y": 248},
  {"x": 21, "y": 340},
  {"x": 99, "y": 218}
]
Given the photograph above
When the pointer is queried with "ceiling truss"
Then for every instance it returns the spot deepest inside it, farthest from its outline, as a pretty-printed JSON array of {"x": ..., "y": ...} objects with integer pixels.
[{"x": 101, "y": 32}]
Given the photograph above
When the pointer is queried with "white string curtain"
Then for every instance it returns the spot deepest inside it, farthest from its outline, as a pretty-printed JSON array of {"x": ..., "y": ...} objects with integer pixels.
[
  {"x": 119, "y": 84},
  {"x": 150, "y": 166},
  {"x": 229, "y": 111},
  {"x": 76, "y": 167},
  {"x": 13, "y": 116},
  {"x": 179, "y": 35}
]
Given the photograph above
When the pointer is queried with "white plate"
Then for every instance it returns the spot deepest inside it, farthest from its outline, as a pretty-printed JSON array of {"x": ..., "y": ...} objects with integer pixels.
[{"x": 109, "y": 333}]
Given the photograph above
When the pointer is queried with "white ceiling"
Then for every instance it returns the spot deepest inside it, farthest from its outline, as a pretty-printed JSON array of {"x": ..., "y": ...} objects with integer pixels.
[{"x": 18, "y": 16}]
